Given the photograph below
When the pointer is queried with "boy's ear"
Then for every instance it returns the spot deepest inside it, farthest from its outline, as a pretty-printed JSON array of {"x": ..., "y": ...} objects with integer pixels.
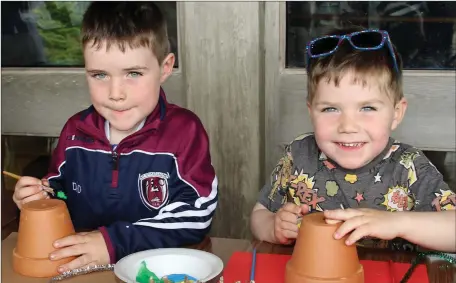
[
  {"x": 167, "y": 67},
  {"x": 399, "y": 113},
  {"x": 309, "y": 109}
]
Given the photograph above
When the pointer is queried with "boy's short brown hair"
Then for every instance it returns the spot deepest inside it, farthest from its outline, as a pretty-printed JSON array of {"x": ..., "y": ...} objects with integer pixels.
[
  {"x": 138, "y": 24},
  {"x": 372, "y": 66}
]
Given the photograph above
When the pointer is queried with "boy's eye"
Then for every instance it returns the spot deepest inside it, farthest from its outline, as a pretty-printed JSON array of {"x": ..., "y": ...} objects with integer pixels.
[
  {"x": 329, "y": 109},
  {"x": 100, "y": 76},
  {"x": 368, "y": 108},
  {"x": 134, "y": 74}
]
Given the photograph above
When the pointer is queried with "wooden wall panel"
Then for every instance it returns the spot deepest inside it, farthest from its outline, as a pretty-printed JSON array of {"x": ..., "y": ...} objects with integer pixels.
[
  {"x": 429, "y": 122},
  {"x": 221, "y": 63},
  {"x": 39, "y": 101},
  {"x": 272, "y": 69}
]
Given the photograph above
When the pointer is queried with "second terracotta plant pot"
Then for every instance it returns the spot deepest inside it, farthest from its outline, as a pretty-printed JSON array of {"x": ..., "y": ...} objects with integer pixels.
[
  {"x": 319, "y": 258},
  {"x": 41, "y": 223}
]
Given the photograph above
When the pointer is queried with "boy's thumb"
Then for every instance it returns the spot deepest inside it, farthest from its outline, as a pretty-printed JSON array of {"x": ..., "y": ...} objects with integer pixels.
[
  {"x": 45, "y": 182},
  {"x": 305, "y": 209}
]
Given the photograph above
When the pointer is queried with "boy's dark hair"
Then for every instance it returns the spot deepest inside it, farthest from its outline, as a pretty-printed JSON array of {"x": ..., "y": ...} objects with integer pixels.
[
  {"x": 138, "y": 24},
  {"x": 373, "y": 66}
]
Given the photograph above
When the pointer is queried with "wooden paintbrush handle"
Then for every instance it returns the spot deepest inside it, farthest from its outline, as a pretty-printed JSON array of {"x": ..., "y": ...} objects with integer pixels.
[{"x": 12, "y": 175}]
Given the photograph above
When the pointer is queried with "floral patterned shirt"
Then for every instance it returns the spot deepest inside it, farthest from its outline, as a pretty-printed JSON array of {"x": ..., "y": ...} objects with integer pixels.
[{"x": 401, "y": 178}]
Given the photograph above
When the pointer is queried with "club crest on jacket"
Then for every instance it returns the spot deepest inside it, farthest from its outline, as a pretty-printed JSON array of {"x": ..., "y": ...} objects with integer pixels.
[{"x": 153, "y": 189}]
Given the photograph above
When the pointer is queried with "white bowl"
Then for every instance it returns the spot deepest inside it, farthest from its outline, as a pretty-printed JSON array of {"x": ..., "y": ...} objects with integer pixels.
[{"x": 201, "y": 265}]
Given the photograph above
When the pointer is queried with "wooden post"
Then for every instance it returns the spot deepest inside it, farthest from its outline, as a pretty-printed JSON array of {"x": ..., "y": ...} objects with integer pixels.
[{"x": 223, "y": 88}]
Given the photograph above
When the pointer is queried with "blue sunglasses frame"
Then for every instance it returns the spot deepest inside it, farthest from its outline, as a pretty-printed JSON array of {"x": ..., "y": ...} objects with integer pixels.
[{"x": 385, "y": 39}]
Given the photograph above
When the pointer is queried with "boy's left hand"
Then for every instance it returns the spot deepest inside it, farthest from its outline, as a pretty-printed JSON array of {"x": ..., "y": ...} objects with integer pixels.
[
  {"x": 89, "y": 247},
  {"x": 365, "y": 222}
]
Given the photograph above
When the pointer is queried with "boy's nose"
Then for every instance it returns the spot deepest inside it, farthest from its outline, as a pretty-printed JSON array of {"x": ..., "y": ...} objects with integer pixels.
[
  {"x": 347, "y": 124},
  {"x": 116, "y": 92}
]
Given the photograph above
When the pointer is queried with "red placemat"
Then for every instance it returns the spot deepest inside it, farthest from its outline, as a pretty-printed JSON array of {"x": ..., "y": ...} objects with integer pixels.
[{"x": 270, "y": 268}]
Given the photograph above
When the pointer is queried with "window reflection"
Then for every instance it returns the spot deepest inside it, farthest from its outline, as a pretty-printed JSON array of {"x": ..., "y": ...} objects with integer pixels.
[
  {"x": 46, "y": 33},
  {"x": 423, "y": 32}
]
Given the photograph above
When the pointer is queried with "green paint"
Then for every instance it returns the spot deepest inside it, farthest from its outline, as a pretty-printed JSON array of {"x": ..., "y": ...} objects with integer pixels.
[
  {"x": 61, "y": 195},
  {"x": 144, "y": 275}
]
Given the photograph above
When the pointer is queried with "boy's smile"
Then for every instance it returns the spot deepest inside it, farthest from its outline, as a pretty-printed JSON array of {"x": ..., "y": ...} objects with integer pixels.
[
  {"x": 350, "y": 146},
  {"x": 352, "y": 121},
  {"x": 124, "y": 86}
]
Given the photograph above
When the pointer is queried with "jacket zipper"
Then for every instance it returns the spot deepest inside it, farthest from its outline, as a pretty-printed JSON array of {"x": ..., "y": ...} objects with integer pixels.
[
  {"x": 114, "y": 155},
  {"x": 115, "y": 169}
]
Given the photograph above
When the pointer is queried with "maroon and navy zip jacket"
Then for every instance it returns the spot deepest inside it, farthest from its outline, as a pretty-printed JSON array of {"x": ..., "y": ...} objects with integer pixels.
[{"x": 156, "y": 189}]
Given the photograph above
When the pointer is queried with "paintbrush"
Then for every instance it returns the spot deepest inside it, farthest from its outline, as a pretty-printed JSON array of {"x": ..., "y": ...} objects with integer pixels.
[
  {"x": 12, "y": 175},
  {"x": 253, "y": 265},
  {"x": 252, "y": 268},
  {"x": 17, "y": 177}
]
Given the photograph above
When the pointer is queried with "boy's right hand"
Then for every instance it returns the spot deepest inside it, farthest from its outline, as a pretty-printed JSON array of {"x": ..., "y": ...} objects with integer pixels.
[
  {"x": 28, "y": 189},
  {"x": 286, "y": 222}
]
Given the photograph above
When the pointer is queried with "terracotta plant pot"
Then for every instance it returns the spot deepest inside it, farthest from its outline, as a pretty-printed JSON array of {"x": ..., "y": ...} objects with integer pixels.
[
  {"x": 319, "y": 258},
  {"x": 41, "y": 223}
]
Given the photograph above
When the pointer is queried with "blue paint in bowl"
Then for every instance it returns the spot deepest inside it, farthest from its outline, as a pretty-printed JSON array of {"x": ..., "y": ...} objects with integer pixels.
[{"x": 179, "y": 278}]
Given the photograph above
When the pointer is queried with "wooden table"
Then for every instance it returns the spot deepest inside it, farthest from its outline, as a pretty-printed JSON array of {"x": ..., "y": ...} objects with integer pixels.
[{"x": 438, "y": 271}]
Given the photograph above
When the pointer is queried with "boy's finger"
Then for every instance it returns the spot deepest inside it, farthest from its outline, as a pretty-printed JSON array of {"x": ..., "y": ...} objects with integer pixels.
[
  {"x": 357, "y": 234},
  {"x": 26, "y": 192},
  {"x": 289, "y": 217},
  {"x": 282, "y": 239},
  {"x": 45, "y": 182},
  {"x": 304, "y": 209},
  {"x": 26, "y": 181},
  {"x": 292, "y": 227},
  {"x": 68, "y": 251},
  {"x": 290, "y": 234},
  {"x": 332, "y": 221},
  {"x": 349, "y": 226},
  {"x": 291, "y": 207},
  {"x": 37, "y": 196},
  {"x": 71, "y": 240},
  {"x": 342, "y": 214}
]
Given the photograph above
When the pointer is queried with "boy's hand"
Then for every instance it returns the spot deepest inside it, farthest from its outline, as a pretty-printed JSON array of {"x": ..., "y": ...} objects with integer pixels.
[
  {"x": 90, "y": 247},
  {"x": 286, "y": 222},
  {"x": 365, "y": 222},
  {"x": 28, "y": 189}
]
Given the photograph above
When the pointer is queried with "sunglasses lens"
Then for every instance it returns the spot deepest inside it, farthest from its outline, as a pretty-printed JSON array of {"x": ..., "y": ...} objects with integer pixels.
[
  {"x": 367, "y": 39},
  {"x": 323, "y": 45}
]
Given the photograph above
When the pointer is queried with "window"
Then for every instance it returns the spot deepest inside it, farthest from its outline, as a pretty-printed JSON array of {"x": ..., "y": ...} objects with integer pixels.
[
  {"x": 46, "y": 33},
  {"x": 424, "y": 32}
]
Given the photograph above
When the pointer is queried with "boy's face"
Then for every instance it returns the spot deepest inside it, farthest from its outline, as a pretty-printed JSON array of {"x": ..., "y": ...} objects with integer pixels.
[
  {"x": 353, "y": 122},
  {"x": 124, "y": 86}
]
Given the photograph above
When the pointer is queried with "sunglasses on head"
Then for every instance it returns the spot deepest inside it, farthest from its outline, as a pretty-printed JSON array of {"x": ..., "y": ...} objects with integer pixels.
[{"x": 371, "y": 39}]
